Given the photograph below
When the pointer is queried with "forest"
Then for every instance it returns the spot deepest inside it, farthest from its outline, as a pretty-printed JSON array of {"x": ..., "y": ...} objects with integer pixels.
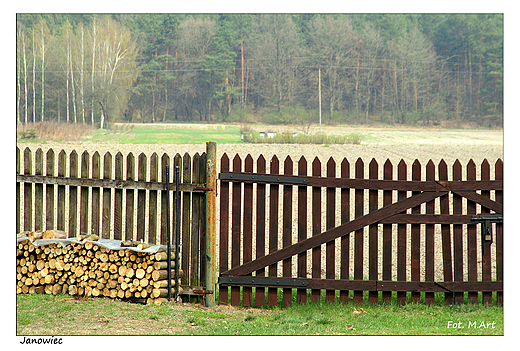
[{"x": 275, "y": 68}]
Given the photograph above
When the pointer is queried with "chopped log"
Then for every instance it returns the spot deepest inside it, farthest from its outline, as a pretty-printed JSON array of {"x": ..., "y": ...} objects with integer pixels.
[
  {"x": 162, "y": 265},
  {"x": 113, "y": 268},
  {"x": 49, "y": 279},
  {"x": 163, "y": 255},
  {"x": 139, "y": 273},
  {"x": 91, "y": 237},
  {"x": 162, "y": 283},
  {"x": 163, "y": 274},
  {"x": 56, "y": 289},
  {"x": 164, "y": 292},
  {"x": 79, "y": 271},
  {"x": 129, "y": 272},
  {"x": 143, "y": 246}
]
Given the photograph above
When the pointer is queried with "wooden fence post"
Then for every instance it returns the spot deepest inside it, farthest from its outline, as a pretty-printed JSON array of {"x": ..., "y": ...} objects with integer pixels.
[{"x": 211, "y": 233}]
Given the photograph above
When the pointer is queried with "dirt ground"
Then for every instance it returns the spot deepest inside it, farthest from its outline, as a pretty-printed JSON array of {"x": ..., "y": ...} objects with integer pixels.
[{"x": 383, "y": 144}]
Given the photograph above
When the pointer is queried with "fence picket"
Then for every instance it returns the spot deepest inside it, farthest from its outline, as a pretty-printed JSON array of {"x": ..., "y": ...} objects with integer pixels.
[
  {"x": 196, "y": 224},
  {"x": 236, "y": 248},
  {"x": 457, "y": 235},
  {"x": 49, "y": 192},
  {"x": 60, "y": 215},
  {"x": 130, "y": 197},
  {"x": 429, "y": 256},
  {"x": 499, "y": 197},
  {"x": 446, "y": 235},
  {"x": 118, "y": 198},
  {"x": 73, "y": 195},
  {"x": 96, "y": 193},
  {"x": 272, "y": 293},
  {"x": 402, "y": 174},
  {"x": 287, "y": 229},
  {"x": 142, "y": 169},
  {"x": 416, "y": 236},
  {"x": 107, "y": 197},
  {"x": 27, "y": 190},
  {"x": 373, "y": 253},
  {"x": 248, "y": 228},
  {"x": 301, "y": 294},
  {"x": 152, "y": 207},
  {"x": 165, "y": 162},
  {"x": 83, "y": 209},
  {"x": 387, "y": 233},
  {"x": 224, "y": 229},
  {"x": 316, "y": 228},
  {"x": 38, "y": 191},
  {"x": 345, "y": 240},
  {"x": 359, "y": 234},
  {"x": 260, "y": 227},
  {"x": 486, "y": 245},
  {"x": 472, "y": 236},
  {"x": 330, "y": 247}
]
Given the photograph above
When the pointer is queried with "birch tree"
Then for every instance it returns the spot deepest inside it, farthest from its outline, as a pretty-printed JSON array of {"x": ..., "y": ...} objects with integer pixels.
[
  {"x": 114, "y": 56},
  {"x": 23, "y": 37},
  {"x": 44, "y": 35}
]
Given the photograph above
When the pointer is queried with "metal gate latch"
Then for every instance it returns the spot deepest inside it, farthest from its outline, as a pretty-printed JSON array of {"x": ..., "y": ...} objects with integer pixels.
[{"x": 486, "y": 220}]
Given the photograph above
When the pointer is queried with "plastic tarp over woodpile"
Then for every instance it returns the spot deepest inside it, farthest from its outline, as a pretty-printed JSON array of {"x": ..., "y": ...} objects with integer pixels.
[{"x": 106, "y": 243}]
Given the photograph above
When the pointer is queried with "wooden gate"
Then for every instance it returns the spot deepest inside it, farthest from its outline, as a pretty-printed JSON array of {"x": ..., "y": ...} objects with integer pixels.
[{"x": 385, "y": 237}]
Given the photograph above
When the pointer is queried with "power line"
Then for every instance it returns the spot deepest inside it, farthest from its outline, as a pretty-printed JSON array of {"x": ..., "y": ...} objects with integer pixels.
[{"x": 261, "y": 68}]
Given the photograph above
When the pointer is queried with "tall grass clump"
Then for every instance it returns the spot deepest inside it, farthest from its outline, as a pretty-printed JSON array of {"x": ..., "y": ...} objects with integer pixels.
[
  {"x": 317, "y": 138},
  {"x": 56, "y": 131}
]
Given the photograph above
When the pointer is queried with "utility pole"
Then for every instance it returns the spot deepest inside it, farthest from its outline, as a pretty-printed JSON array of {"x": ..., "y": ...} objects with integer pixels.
[{"x": 319, "y": 91}]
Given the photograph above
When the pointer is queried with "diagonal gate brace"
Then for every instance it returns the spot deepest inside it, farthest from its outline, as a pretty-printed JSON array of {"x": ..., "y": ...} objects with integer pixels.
[{"x": 334, "y": 233}]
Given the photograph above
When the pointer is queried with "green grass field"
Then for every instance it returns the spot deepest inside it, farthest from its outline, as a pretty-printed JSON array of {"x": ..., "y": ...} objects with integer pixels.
[
  {"x": 167, "y": 134},
  {"x": 64, "y": 315}
]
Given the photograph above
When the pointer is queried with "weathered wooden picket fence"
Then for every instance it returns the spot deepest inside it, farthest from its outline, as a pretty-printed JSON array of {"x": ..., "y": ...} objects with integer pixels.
[
  {"x": 120, "y": 197},
  {"x": 346, "y": 235}
]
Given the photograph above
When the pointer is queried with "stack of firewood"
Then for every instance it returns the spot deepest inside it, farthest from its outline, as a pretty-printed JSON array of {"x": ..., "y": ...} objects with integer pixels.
[{"x": 86, "y": 269}]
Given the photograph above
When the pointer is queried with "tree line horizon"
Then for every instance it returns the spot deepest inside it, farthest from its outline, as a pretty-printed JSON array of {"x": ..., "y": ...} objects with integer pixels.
[{"x": 280, "y": 68}]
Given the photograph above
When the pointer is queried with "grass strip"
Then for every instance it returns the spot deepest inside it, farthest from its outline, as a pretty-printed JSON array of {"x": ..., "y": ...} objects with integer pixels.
[{"x": 64, "y": 315}]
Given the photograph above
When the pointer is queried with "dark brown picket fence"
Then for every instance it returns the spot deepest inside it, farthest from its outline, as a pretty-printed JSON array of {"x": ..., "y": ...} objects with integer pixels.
[{"x": 406, "y": 236}]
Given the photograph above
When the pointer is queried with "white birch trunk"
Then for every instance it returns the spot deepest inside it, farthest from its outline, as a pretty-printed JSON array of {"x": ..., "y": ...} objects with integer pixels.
[
  {"x": 72, "y": 83},
  {"x": 34, "y": 79},
  {"x": 93, "y": 69},
  {"x": 25, "y": 76},
  {"x": 43, "y": 74},
  {"x": 82, "y": 86}
]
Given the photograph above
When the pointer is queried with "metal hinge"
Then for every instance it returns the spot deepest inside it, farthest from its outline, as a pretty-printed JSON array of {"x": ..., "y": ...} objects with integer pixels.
[{"x": 486, "y": 220}]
